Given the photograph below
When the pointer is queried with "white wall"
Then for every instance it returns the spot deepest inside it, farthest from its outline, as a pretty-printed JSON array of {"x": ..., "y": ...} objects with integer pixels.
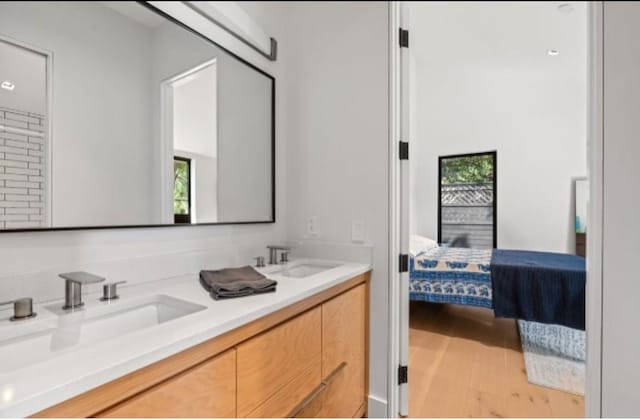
[
  {"x": 481, "y": 81},
  {"x": 244, "y": 146},
  {"x": 336, "y": 86},
  {"x": 107, "y": 138},
  {"x": 621, "y": 281},
  {"x": 195, "y": 113}
]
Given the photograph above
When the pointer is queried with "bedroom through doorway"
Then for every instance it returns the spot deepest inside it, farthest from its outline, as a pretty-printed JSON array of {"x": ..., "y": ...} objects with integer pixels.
[{"x": 498, "y": 199}]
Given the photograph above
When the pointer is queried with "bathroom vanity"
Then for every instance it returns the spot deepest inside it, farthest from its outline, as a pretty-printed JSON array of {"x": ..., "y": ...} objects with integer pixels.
[{"x": 299, "y": 352}]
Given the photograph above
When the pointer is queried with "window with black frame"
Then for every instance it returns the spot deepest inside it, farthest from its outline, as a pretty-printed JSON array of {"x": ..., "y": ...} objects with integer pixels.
[
  {"x": 181, "y": 190},
  {"x": 467, "y": 200}
]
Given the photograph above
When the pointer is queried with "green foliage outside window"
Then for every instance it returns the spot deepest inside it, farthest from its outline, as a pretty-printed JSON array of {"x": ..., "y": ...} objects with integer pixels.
[
  {"x": 467, "y": 170},
  {"x": 180, "y": 187}
]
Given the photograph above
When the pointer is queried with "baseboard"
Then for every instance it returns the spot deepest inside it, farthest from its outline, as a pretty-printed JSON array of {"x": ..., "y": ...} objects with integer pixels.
[{"x": 378, "y": 408}]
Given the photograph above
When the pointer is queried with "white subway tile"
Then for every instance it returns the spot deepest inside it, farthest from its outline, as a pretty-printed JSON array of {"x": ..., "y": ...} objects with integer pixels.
[
  {"x": 21, "y": 143},
  {"x": 12, "y": 204},
  {"x": 20, "y": 184},
  {"x": 15, "y": 150},
  {"x": 20, "y": 117},
  {"x": 21, "y": 171},
  {"x": 22, "y": 210},
  {"x": 14, "y": 177},
  {"x": 22, "y": 225},
  {"x": 13, "y": 137},
  {"x": 5, "y": 190},
  {"x": 14, "y": 217},
  {"x": 14, "y": 123},
  {"x": 22, "y": 158},
  {"x": 13, "y": 164},
  {"x": 18, "y": 198}
]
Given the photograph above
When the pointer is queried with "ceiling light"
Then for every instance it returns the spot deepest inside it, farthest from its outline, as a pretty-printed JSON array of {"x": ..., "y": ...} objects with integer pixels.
[
  {"x": 565, "y": 8},
  {"x": 552, "y": 52},
  {"x": 7, "y": 85}
]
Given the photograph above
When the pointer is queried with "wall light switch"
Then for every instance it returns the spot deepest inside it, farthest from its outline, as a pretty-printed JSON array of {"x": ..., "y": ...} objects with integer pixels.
[
  {"x": 358, "y": 231},
  {"x": 312, "y": 226}
]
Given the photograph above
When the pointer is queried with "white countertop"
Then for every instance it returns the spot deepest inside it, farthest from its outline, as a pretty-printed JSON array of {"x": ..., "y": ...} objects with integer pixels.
[{"x": 63, "y": 375}]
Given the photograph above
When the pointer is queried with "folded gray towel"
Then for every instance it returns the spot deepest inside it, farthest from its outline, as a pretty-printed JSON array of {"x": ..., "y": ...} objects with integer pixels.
[{"x": 235, "y": 282}]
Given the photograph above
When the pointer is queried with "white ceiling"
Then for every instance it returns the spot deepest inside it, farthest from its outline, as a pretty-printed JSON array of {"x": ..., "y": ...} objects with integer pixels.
[
  {"x": 27, "y": 71},
  {"x": 136, "y": 12},
  {"x": 498, "y": 33}
]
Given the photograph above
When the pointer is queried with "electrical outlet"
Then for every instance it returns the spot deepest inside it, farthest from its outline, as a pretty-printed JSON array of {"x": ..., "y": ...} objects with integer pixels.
[
  {"x": 358, "y": 231},
  {"x": 312, "y": 226}
]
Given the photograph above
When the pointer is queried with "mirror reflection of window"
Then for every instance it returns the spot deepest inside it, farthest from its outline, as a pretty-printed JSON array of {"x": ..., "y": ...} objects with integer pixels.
[{"x": 181, "y": 190}]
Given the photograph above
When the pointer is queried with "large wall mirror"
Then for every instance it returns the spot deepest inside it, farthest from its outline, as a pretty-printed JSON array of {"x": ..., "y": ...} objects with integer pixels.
[{"x": 112, "y": 114}]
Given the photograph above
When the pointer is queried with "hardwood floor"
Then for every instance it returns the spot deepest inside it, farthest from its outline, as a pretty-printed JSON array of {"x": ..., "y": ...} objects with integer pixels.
[{"x": 463, "y": 362}]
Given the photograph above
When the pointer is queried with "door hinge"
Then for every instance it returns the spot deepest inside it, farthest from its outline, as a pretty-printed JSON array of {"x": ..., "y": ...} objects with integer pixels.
[
  {"x": 404, "y": 150},
  {"x": 404, "y": 38},
  {"x": 403, "y": 375},
  {"x": 404, "y": 263}
]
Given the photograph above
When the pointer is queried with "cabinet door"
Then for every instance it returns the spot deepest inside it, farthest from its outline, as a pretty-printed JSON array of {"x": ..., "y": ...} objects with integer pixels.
[
  {"x": 279, "y": 368},
  {"x": 344, "y": 335},
  {"x": 206, "y": 390}
]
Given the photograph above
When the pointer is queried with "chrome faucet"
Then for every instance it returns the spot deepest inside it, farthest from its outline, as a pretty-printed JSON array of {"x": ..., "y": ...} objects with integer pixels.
[
  {"x": 273, "y": 252},
  {"x": 73, "y": 287},
  {"x": 22, "y": 308}
]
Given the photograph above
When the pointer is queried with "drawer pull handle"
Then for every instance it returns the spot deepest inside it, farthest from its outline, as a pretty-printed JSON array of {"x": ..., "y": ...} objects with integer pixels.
[
  {"x": 335, "y": 373},
  {"x": 308, "y": 400},
  {"x": 317, "y": 391}
]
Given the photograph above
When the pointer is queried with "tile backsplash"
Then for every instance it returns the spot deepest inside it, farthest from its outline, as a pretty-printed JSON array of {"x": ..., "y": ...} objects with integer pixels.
[{"x": 22, "y": 169}]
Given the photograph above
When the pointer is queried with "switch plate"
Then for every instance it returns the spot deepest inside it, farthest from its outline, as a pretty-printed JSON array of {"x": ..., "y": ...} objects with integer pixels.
[
  {"x": 312, "y": 226},
  {"x": 358, "y": 231}
]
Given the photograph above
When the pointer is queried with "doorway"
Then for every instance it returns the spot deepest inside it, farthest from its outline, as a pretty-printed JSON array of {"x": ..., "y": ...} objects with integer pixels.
[{"x": 512, "y": 231}]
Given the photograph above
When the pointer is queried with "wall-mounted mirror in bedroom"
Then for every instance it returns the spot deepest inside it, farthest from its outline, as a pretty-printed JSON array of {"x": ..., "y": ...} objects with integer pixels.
[{"x": 113, "y": 115}]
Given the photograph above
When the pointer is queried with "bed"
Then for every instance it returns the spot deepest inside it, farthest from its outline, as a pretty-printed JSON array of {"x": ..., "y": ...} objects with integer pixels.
[{"x": 534, "y": 286}]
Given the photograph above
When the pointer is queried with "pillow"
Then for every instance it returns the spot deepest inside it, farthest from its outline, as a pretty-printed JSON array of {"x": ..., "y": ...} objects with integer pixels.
[{"x": 419, "y": 244}]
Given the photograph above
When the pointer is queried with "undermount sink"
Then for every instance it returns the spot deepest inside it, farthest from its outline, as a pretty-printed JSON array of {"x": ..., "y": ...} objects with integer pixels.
[
  {"x": 23, "y": 344},
  {"x": 302, "y": 270}
]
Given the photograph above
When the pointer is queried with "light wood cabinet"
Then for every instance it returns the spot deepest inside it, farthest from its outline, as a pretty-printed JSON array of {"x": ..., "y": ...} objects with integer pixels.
[
  {"x": 280, "y": 367},
  {"x": 344, "y": 326},
  {"x": 306, "y": 360},
  {"x": 206, "y": 390}
]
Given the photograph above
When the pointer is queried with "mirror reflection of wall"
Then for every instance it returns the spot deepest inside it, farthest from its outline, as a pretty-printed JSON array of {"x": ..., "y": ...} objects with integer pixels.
[{"x": 128, "y": 91}]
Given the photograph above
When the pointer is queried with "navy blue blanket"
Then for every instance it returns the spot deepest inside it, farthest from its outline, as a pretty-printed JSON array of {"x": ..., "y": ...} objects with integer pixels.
[{"x": 539, "y": 286}]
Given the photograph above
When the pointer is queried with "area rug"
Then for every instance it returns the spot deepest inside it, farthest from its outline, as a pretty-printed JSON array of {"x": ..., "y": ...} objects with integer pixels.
[{"x": 554, "y": 356}]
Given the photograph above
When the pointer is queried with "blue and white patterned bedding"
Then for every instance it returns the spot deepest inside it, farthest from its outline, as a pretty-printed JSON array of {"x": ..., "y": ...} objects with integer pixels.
[{"x": 452, "y": 275}]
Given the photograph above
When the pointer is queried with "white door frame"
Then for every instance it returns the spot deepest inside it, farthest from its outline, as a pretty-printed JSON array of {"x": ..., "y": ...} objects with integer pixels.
[
  {"x": 593, "y": 391},
  {"x": 394, "y": 209},
  {"x": 398, "y": 216},
  {"x": 595, "y": 223}
]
